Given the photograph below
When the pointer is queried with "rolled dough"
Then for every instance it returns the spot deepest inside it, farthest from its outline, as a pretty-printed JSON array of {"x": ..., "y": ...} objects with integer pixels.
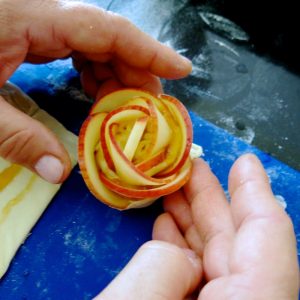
[{"x": 23, "y": 195}]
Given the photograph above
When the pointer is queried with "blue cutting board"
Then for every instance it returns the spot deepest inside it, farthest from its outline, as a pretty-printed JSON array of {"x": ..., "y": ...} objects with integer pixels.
[{"x": 79, "y": 244}]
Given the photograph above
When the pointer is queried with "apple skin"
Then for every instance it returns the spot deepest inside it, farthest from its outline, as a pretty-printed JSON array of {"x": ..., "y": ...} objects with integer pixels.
[
  {"x": 187, "y": 128},
  {"x": 104, "y": 126},
  {"x": 152, "y": 161},
  {"x": 88, "y": 166},
  {"x": 125, "y": 183},
  {"x": 117, "y": 99},
  {"x": 87, "y": 139},
  {"x": 130, "y": 173},
  {"x": 143, "y": 192}
]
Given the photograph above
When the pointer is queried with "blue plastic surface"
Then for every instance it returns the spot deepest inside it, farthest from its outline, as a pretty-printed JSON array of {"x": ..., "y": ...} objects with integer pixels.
[{"x": 79, "y": 244}]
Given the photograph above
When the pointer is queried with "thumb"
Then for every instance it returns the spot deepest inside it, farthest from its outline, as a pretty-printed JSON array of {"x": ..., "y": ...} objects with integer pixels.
[
  {"x": 27, "y": 142},
  {"x": 158, "y": 270}
]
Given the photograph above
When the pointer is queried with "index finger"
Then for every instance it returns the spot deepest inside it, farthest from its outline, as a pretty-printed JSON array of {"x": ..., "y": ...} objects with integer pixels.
[
  {"x": 93, "y": 31},
  {"x": 212, "y": 217}
]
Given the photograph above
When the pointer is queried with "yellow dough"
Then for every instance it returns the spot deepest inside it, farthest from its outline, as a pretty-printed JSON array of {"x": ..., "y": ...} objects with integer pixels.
[{"x": 23, "y": 195}]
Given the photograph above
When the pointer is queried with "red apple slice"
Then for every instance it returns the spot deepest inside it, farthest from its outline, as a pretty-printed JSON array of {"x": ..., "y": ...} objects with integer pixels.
[
  {"x": 117, "y": 99},
  {"x": 88, "y": 138},
  {"x": 135, "y": 147},
  {"x": 122, "y": 97},
  {"x": 125, "y": 169},
  {"x": 152, "y": 161},
  {"x": 135, "y": 137},
  {"x": 117, "y": 115},
  {"x": 141, "y": 192},
  {"x": 145, "y": 147},
  {"x": 181, "y": 115}
]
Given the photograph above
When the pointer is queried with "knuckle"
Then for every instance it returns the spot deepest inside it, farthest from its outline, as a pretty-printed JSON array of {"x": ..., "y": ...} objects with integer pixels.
[
  {"x": 119, "y": 23},
  {"x": 279, "y": 219},
  {"x": 205, "y": 192},
  {"x": 16, "y": 146}
]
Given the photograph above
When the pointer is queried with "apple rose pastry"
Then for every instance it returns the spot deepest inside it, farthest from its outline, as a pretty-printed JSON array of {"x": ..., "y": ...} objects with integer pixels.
[{"x": 135, "y": 147}]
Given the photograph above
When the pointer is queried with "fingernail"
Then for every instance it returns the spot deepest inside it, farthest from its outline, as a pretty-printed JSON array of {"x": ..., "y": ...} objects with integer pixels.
[
  {"x": 50, "y": 168},
  {"x": 193, "y": 257},
  {"x": 250, "y": 162}
]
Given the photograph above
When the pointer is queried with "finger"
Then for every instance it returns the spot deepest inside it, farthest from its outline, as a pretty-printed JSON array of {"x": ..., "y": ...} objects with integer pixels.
[
  {"x": 165, "y": 229},
  {"x": 212, "y": 217},
  {"x": 250, "y": 190},
  {"x": 134, "y": 77},
  {"x": 102, "y": 71},
  {"x": 108, "y": 86},
  {"x": 99, "y": 80},
  {"x": 98, "y": 57},
  {"x": 127, "y": 76},
  {"x": 179, "y": 208},
  {"x": 80, "y": 59},
  {"x": 156, "y": 272},
  {"x": 265, "y": 232},
  {"x": 89, "y": 82},
  {"x": 96, "y": 31},
  {"x": 11, "y": 56},
  {"x": 177, "y": 205},
  {"x": 36, "y": 59},
  {"x": 27, "y": 142}
]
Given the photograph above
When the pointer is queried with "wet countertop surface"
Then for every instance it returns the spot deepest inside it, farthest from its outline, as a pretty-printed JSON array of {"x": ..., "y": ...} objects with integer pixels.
[{"x": 246, "y": 65}]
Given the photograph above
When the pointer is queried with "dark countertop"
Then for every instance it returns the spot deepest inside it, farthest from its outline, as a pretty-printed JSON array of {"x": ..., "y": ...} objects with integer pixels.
[{"x": 246, "y": 65}]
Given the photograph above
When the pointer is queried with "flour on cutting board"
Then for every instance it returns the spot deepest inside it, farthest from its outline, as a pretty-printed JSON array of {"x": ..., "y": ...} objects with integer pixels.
[
  {"x": 236, "y": 127},
  {"x": 84, "y": 239}
]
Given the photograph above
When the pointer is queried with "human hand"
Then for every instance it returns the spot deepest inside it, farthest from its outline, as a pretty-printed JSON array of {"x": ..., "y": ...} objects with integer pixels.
[
  {"x": 158, "y": 271},
  {"x": 247, "y": 247},
  {"x": 107, "y": 49}
]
